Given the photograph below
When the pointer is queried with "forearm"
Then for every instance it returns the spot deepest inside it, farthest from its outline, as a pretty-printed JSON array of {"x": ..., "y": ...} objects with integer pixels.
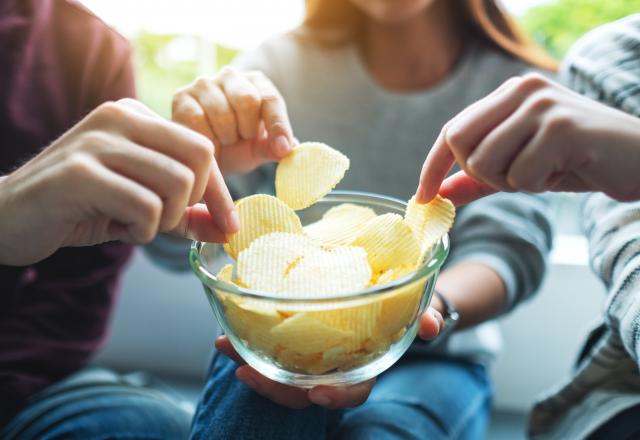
[{"x": 476, "y": 291}]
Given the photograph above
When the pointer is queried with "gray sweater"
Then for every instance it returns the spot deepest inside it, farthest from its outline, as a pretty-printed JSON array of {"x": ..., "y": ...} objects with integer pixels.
[
  {"x": 332, "y": 99},
  {"x": 604, "y": 65}
]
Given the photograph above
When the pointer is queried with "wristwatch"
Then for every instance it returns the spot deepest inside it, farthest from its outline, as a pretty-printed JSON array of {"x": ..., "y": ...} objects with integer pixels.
[{"x": 451, "y": 317}]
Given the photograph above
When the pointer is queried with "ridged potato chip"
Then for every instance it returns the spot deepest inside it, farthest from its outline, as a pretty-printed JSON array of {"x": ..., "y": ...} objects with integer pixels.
[
  {"x": 389, "y": 242},
  {"x": 261, "y": 214},
  {"x": 399, "y": 308},
  {"x": 226, "y": 273},
  {"x": 393, "y": 274},
  {"x": 430, "y": 221},
  {"x": 252, "y": 321},
  {"x": 340, "y": 225},
  {"x": 361, "y": 320},
  {"x": 304, "y": 334},
  {"x": 326, "y": 273},
  {"x": 308, "y": 173},
  {"x": 264, "y": 264}
]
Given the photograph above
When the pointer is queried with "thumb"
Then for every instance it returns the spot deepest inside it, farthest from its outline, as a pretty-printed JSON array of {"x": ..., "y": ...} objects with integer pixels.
[{"x": 462, "y": 189}]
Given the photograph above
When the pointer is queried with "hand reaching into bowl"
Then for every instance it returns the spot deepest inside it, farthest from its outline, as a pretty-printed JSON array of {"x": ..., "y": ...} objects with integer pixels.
[
  {"x": 242, "y": 113},
  {"x": 326, "y": 396},
  {"x": 122, "y": 173},
  {"x": 534, "y": 135}
]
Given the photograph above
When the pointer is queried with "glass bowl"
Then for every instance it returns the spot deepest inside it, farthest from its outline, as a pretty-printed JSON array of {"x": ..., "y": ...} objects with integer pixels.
[{"x": 355, "y": 336}]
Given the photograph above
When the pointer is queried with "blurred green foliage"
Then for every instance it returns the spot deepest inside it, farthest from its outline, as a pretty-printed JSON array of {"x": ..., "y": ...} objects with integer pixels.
[
  {"x": 559, "y": 24},
  {"x": 159, "y": 75}
]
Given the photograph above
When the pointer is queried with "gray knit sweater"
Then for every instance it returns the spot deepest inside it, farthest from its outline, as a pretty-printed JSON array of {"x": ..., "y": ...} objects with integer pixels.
[{"x": 604, "y": 65}]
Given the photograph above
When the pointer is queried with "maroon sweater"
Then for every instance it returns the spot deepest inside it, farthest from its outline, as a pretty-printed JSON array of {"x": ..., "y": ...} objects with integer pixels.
[{"x": 57, "y": 62}]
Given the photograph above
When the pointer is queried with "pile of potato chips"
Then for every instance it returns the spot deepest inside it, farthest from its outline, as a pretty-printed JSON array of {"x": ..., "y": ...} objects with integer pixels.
[{"x": 349, "y": 249}]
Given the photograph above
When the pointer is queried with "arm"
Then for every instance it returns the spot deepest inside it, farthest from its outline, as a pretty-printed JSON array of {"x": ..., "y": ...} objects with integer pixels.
[
  {"x": 613, "y": 230},
  {"x": 498, "y": 255}
]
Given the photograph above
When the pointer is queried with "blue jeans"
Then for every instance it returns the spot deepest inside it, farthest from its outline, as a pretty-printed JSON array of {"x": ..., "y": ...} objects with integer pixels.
[
  {"x": 98, "y": 404},
  {"x": 418, "y": 398}
]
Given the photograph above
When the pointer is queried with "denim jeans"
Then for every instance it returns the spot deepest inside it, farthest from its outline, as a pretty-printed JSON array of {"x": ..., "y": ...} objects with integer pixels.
[
  {"x": 418, "y": 398},
  {"x": 99, "y": 404}
]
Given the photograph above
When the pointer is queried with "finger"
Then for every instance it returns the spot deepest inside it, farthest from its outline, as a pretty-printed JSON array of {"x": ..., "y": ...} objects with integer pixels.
[
  {"x": 435, "y": 168},
  {"x": 134, "y": 211},
  {"x": 462, "y": 189},
  {"x": 274, "y": 115},
  {"x": 536, "y": 163},
  {"x": 468, "y": 130},
  {"x": 169, "y": 179},
  {"x": 431, "y": 322},
  {"x": 491, "y": 159},
  {"x": 219, "y": 202},
  {"x": 197, "y": 223},
  {"x": 289, "y": 396},
  {"x": 224, "y": 346},
  {"x": 245, "y": 100},
  {"x": 341, "y": 397},
  {"x": 139, "y": 107},
  {"x": 173, "y": 140},
  {"x": 441, "y": 158},
  {"x": 220, "y": 115},
  {"x": 187, "y": 111}
]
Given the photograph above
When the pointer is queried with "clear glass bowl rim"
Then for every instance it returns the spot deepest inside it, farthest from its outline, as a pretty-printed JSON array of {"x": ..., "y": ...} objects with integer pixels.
[{"x": 429, "y": 267}]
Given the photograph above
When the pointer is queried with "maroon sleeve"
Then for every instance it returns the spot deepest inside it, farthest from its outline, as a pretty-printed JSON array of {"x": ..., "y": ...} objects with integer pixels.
[{"x": 57, "y": 63}]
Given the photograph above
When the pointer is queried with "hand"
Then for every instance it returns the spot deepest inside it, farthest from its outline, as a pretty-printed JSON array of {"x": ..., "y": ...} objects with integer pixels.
[
  {"x": 293, "y": 397},
  {"x": 243, "y": 114},
  {"x": 122, "y": 173},
  {"x": 534, "y": 135}
]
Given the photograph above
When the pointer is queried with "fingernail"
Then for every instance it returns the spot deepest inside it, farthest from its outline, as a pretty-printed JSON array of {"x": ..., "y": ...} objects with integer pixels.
[
  {"x": 420, "y": 195},
  {"x": 320, "y": 399},
  {"x": 282, "y": 145},
  {"x": 232, "y": 222}
]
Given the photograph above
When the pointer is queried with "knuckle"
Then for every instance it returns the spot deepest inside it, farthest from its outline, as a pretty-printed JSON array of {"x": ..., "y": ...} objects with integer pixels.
[
  {"x": 532, "y": 80},
  {"x": 184, "y": 179},
  {"x": 202, "y": 83},
  {"x": 111, "y": 111},
  {"x": 95, "y": 139},
  {"x": 559, "y": 123},
  {"x": 247, "y": 101},
  {"x": 80, "y": 166},
  {"x": 223, "y": 118},
  {"x": 453, "y": 136},
  {"x": 541, "y": 102},
  {"x": 150, "y": 210}
]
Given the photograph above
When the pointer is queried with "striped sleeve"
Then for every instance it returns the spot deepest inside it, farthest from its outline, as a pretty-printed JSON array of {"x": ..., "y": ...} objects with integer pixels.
[{"x": 605, "y": 65}]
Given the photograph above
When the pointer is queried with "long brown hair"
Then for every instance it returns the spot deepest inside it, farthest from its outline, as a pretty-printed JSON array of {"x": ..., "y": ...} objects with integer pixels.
[{"x": 334, "y": 22}]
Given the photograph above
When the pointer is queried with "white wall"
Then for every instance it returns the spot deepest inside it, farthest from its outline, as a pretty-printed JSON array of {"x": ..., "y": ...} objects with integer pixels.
[{"x": 163, "y": 324}]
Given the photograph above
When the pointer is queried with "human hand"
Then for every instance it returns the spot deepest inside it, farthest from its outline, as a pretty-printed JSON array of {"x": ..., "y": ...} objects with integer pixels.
[
  {"x": 122, "y": 173},
  {"x": 534, "y": 135},
  {"x": 294, "y": 397},
  {"x": 243, "y": 114}
]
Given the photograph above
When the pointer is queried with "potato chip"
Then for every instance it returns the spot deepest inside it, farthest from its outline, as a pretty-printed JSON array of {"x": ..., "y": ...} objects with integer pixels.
[
  {"x": 304, "y": 334},
  {"x": 264, "y": 264},
  {"x": 361, "y": 320},
  {"x": 340, "y": 225},
  {"x": 308, "y": 173},
  {"x": 389, "y": 242},
  {"x": 260, "y": 214},
  {"x": 393, "y": 274},
  {"x": 226, "y": 274},
  {"x": 399, "y": 308},
  {"x": 429, "y": 222},
  {"x": 252, "y": 321},
  {"x": 326, "y": 273}
]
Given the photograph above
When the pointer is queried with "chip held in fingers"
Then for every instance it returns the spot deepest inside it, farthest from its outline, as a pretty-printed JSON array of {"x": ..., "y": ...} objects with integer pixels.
[
  {"x": 429, "y": 222},
  {"x": 309, "y": 173},
  {"x": 260, "y": 214}
]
